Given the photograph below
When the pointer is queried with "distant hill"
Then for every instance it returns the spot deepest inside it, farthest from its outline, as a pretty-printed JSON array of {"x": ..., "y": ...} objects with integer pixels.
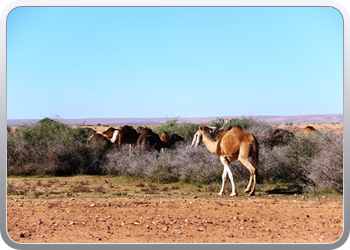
[{"x": 156, "y": 121}]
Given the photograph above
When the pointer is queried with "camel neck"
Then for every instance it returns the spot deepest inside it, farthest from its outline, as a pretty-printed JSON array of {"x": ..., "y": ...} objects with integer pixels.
[
  {"x": 168, "y": 143},
  {"x": 209, "y": 142}
]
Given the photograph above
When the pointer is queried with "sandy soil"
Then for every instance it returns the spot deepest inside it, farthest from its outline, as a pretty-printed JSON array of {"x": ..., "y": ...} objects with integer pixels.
[{"x": 270, "y": 219}]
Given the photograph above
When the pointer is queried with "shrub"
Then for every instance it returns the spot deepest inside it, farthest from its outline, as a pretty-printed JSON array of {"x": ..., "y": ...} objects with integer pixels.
[
  {"x": 313, "y": 162},
  {"x": 53, "y": 148},
  {"x": 179, "y": 164}
]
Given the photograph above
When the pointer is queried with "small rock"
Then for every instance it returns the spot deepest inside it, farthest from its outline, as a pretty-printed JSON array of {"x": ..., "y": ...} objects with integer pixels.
[{"x": 24, "y": 235}]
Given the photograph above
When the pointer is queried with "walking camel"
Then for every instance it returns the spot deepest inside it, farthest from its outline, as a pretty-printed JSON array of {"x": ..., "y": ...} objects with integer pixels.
[
  {"x": 234, "y": 144},
  {"x": 150, "y": 140},
  {"x": 214, "y": 133}
]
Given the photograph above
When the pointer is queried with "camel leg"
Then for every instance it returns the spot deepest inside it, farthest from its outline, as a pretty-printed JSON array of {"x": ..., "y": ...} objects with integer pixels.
[
  {"x": 252, "y": 178},
  {"x": 227, "y": 170}
]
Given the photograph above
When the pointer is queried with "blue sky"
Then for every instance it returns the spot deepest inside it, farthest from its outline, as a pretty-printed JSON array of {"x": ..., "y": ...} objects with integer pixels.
[{"x": 125, "y": 62}]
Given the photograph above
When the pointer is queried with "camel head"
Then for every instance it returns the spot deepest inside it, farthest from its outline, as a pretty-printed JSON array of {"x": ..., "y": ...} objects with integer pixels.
[
  {"x": 177, "y": 137},
  {"x": 197, "y": 138}
]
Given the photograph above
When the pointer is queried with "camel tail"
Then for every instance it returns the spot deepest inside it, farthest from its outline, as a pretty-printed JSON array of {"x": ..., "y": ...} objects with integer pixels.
[{"x": 255, "y": 156}]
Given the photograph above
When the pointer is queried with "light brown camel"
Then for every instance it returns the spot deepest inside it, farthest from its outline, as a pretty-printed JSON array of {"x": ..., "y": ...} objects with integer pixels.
[
  {"x": 151, "y": 141},
  {"x": 99, "y": 137},
  {"x": 234, "y": 144},
  {"x": 164, "y": 137},
  {"x": 127, "y": 135},
  {"x": 214, "y": 133}
]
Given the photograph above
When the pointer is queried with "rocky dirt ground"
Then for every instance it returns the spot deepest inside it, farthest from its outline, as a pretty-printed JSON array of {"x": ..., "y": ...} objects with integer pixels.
[{"x": 172, "y": 216}]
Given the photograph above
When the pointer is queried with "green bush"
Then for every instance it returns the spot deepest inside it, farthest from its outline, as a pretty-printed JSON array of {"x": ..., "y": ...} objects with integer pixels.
[{"x": 53, "y": 148}]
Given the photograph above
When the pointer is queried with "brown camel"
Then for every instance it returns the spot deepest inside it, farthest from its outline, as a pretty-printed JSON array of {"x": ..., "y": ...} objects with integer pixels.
[
  {"x": 151, "y": 141},
  {"x": 164, "y": 137},
  {"x": 234, "y": 144},
  {"x": 214, "y": 133},
  {"x": 278, "y": 137},
  {"x": 127, "y": 135},
  {"x": 99, "y": 137},
  {"x": 109, "y": 132},
  {"x": 112, "y": 134}
]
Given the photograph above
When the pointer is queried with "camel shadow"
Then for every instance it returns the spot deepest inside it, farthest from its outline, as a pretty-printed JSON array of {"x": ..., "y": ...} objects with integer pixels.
[{"x": 290, "y": 190}]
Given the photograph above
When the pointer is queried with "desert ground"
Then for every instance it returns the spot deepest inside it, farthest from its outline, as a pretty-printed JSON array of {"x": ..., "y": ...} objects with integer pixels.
[
  {"x": 100, "y": 209},
  {"x": 110, "y": 209}
]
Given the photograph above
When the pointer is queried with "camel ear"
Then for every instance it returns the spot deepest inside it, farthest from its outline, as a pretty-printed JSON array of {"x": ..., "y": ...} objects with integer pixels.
[{"x": 200, "y": 128}]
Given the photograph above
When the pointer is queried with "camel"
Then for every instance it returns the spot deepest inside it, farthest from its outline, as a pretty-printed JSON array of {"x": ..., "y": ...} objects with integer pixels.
[
  {"x": 99, "y": 137},
  {"x": 150, "y": 140},
  {"x": 112, "y": 134},
  {"x": 278, "y": 137},
  {"x": 214, "y": 132},
  {"x": 309, "y": 130},
  {"x": 109, "y": 132},
  {"x": 234, "y": 144},
  {"x": 164, "y": 137},
  {"x": 127, "y": 135}
]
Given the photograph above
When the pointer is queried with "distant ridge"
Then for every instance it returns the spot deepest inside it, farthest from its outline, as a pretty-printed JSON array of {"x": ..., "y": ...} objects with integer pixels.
[{"x": 156, "y": 121}]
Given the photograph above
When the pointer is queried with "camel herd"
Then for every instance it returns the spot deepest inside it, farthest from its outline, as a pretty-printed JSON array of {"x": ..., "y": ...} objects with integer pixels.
[
  {"x": 229, "y": 145},
  {"x": 145, "y": 137}
]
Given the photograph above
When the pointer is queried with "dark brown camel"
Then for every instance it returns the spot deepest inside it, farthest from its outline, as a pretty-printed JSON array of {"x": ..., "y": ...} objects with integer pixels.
[
  {"x": 127, "y": 135},
  {"x": 234, "y": 144},
  {"x": 151, "y": 141}
]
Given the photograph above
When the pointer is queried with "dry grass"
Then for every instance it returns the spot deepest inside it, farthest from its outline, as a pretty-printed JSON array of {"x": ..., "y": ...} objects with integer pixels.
[{"x": 96, "y": 186}]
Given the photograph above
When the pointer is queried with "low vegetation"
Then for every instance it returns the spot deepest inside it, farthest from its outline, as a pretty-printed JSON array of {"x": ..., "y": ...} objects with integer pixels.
[{"x": 309, "y": 163}]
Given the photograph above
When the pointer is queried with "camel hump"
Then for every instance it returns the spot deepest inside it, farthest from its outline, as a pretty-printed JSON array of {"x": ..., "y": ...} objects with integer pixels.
[
  {"x": 237, "y": 129},
  {"x": 309, "y": 130}
]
